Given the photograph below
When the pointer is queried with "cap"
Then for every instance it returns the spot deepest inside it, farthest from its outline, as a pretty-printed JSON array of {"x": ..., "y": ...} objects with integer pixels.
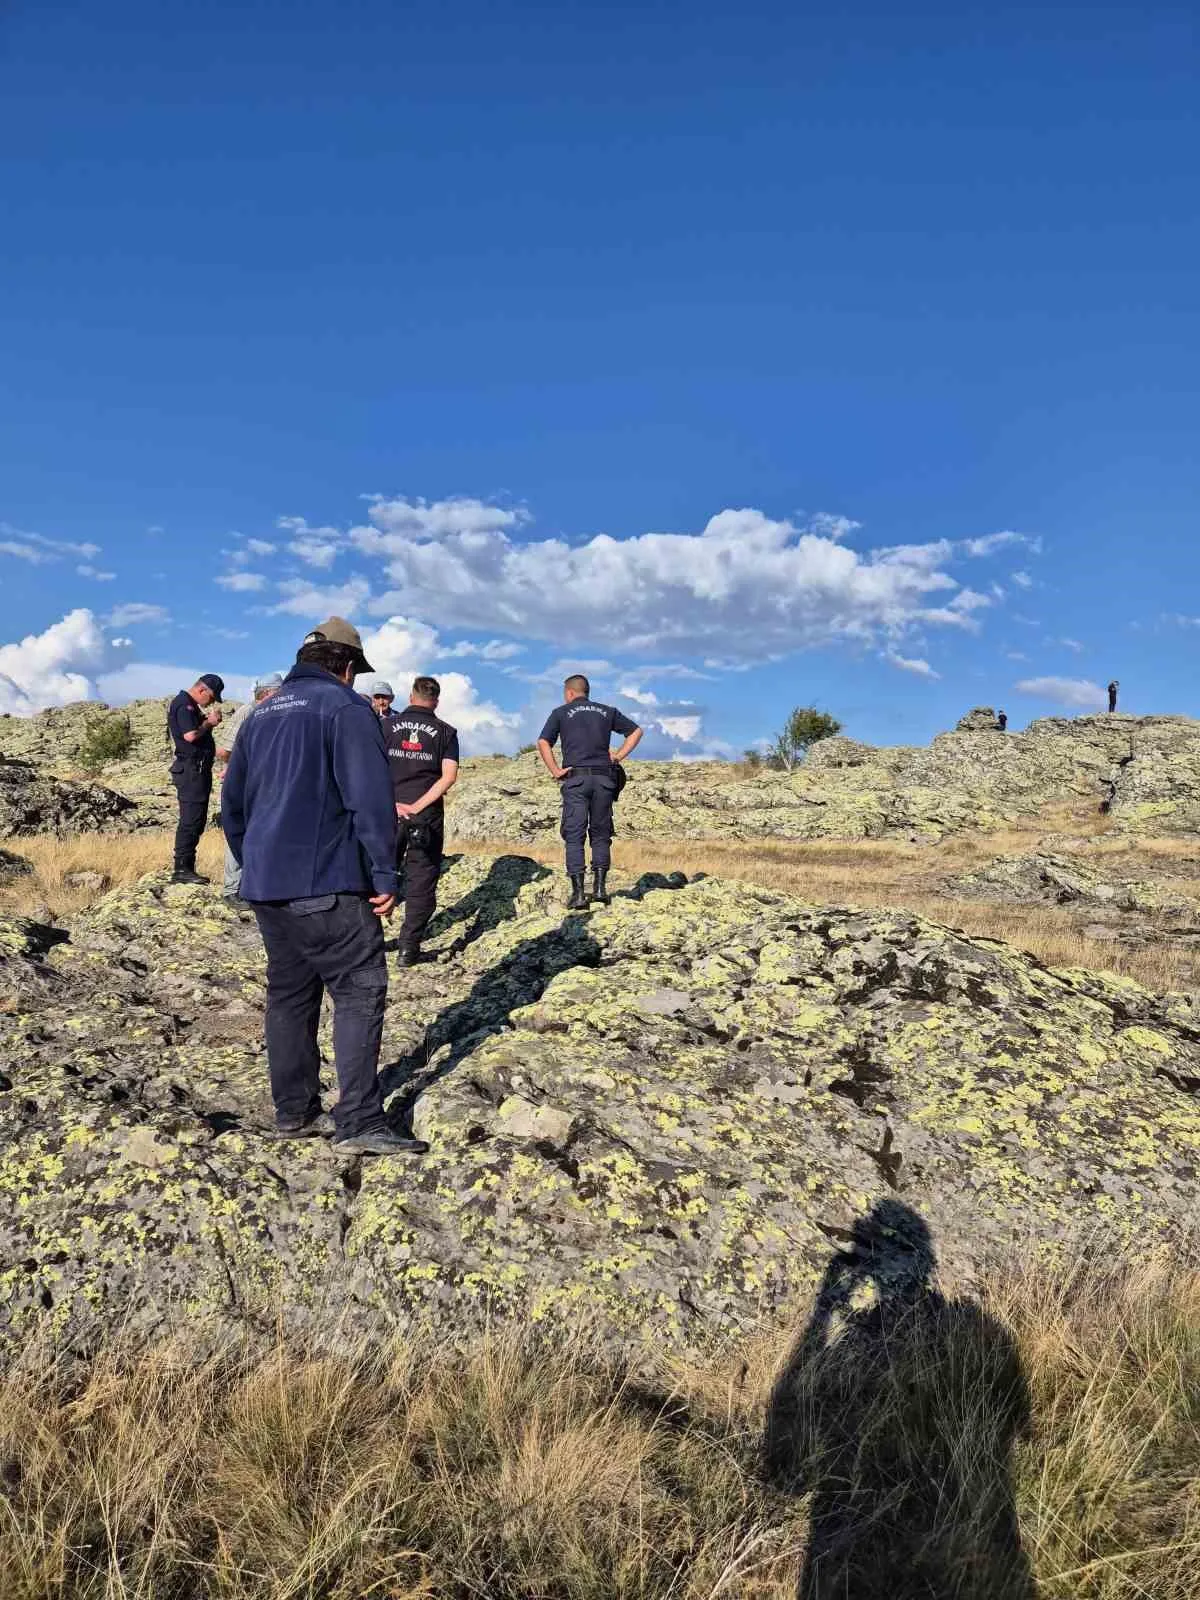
[
  {"x": 269, "y": 680},
  {"x": 336, "y": 630},
  {"x": 211, "y": 681},
  {"x": 384, "y": 688}
]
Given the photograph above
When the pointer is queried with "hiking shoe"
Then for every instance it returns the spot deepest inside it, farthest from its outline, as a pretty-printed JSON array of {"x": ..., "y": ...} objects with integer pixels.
[
  {"x": 189, "y": 877},
  {"x": 319, "y": 1126},
  {"x": 379, "y": 1142},
  {"x": 408, "y": 955}
]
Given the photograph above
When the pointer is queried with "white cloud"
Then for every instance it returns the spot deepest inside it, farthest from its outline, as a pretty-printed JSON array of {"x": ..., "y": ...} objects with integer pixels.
[
  {"x": 149, "y": 680},
  {"x": 242, "y": 582},
  {"x": 86, "y": 570},
  {"x": 746, "y": 586},
  {"x": 1022, "y": 580},
  {"x": 303, "y": 598},
  {"x": 684, "y": 728},
  {"x": 260, "y": 547},
  {"x": 58, "y": 666},
  {"x": 914, "y": 664},
  {"x": 458, "y": 517},
  {"x": 493, "y": 650},
  {"x": 316, "y": 547},
  {"x": 1016, "y": 655},
  {"x": 991, "y": 542},
  {"x": 244, "y": 550},
  {"x": 1072, "y": 644},
  {"x": 401, "y": 648},
  {"x": 40, "y": 551},
  {"x": 137, "y": 612},
  {"x": 1079, "y": 693}
]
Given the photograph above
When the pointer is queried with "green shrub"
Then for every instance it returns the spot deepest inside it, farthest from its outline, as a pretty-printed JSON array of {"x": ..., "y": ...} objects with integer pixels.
[{"x": 105, "y": 739}]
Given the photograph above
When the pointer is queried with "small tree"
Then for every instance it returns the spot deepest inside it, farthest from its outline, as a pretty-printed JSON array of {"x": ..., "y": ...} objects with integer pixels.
[
  {"x": 752, "y": 757},
  {"x": 105, "y": 739},
  {"x": 804, "y": 728}
]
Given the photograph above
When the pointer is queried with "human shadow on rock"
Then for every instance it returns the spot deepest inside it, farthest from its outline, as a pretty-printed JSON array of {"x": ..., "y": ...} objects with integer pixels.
[
  {"x": 898, "y": 1410},
  {"x": 518, "y": 979},
  {"x": 489, "y": 903}
]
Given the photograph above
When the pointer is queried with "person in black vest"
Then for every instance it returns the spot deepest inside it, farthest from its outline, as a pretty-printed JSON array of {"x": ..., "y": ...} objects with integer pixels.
[
  {"x": 1001, "y": 721},
  {"x": 584, "y": 729},
  {"x": 423, "y": 757},
  {"x": 1113, "y": 690},
  {"x": 191, "y": 718}
]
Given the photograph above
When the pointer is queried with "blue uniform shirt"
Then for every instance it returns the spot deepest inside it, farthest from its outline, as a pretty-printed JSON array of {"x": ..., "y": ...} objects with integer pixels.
[
  {"x": 307, "y": 802},
  {"x": 585, "y": 729},
  {"x": 185, "y": 716}
]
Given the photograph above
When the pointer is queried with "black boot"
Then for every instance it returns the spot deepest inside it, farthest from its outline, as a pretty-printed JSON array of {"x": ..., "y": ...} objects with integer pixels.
[
  {"x": 600, "y": 885},
  {"x": 408, "y": 954},
  {"x": 578, "y": 900}
]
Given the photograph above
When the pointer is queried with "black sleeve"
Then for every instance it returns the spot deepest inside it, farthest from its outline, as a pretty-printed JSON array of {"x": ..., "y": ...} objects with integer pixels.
[
  {"x": 622, "y": 725},
  {"x": 183, "y": 718},
  {"x": 551, "y": 731},
  {"x": 450, "y": 745}
]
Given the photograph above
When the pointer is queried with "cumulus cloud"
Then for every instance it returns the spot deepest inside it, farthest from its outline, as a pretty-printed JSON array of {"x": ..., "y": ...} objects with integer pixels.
[
  {"x": 242, "y": 582},
  {"x": 39, "y": 551},
  {"x": 401, "y": 648},
  {"x": 86, "y": 570},
  {"x": 493, "y": 650},
  {"x": 746, "y": 586},
  {"x": 1022, "y": 580},
  {"x": 316, "y": 547},
  {"x": 1079, "y": 693},
  {"x": 145, "y": 680},
  {"x": 991, "y": 542},
  {"x": 135, "y": 613},
  {"x": 304, "y": 598},
  {"x": 58, "y": 666},
  {"x": 914, "y": 664}
]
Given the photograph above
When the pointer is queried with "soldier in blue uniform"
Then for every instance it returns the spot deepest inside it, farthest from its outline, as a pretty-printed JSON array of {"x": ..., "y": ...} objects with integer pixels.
[
  {"x": 584, "y": 730},
  {"x": 423, "y": 757},
  {"x": 191, "y": 718}
]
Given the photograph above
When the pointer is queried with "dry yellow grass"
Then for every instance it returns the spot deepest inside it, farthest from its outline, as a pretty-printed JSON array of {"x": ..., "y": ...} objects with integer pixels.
[
  {"x": 120, "y": 858},
  {"x": 881, "y": 872},
  {"x": 503, "y": 1471}
]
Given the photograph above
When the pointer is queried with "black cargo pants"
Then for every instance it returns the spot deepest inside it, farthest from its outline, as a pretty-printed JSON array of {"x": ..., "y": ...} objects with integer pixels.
[
  {"x": 193, "y": 780},
  {"x": 587, "y": 812},
  {"x": 419, "y": 849},
  {"x": 331, "y": 942}
]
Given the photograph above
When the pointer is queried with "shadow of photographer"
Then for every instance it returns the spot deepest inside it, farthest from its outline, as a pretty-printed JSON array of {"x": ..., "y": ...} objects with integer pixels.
[{"x": 897, "y": 1410}]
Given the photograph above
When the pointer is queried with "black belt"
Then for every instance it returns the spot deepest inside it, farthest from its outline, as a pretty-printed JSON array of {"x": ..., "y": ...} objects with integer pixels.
[{"x": 607, "y": 768}]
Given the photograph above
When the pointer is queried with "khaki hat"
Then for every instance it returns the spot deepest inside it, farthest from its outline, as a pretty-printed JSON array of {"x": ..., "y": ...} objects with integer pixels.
[{"x": 336, "y": 630}]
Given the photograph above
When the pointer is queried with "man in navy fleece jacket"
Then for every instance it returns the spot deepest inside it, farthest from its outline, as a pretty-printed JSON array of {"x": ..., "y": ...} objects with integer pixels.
[{"x": 308, "y": 813}]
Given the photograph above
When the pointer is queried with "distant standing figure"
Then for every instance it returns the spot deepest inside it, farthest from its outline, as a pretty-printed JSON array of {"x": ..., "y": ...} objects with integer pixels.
[
  {"x": 1001, "y": 720},
  {"x": 589, "y": 785},
  {"x": 1113, "y": 690},
  {"x": 191, "y": 718}
]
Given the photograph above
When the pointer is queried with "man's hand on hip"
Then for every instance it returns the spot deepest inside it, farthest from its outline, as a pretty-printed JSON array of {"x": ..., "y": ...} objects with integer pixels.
[{"x": 383, "y": 904}]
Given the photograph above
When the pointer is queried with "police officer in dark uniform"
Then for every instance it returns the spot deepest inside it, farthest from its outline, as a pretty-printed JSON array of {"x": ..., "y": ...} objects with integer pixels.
[
  {"x": 423, "y": 757},
  {"x": 309, "y": 816},
  {"x": 584, "y": 728},
  {"x": 191, "y": 718}
]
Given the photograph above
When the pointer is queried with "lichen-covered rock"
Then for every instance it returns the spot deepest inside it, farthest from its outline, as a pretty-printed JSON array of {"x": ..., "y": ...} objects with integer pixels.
[
  {"x": 1049, "y": 880},
  {"x": 650, "y": 1113},
  {"x": 33, "y": 802},
  {"x": 981, "y": 720},
  {"x": 13, "y": 866}
]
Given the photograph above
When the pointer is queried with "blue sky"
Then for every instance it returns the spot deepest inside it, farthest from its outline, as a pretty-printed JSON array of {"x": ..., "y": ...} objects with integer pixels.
[{"x": 467, "y": 289}]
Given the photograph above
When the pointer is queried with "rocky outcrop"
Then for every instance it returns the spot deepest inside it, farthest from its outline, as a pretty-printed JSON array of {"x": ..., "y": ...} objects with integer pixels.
[
  {"x": 981, "y": 720},
  {"x": 33, "y": 802},
  {"x": 1049, "y": 880},
  {"x": 653, "y": 1114},
  {"x": 1144, "y": 770}
]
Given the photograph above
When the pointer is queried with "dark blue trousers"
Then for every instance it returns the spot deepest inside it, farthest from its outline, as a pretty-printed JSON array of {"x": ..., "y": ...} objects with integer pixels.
[
  {"x": 193, "y": 778},
  {"x": 332, "y": 942},
  {"x": 587, "y": 813}
]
